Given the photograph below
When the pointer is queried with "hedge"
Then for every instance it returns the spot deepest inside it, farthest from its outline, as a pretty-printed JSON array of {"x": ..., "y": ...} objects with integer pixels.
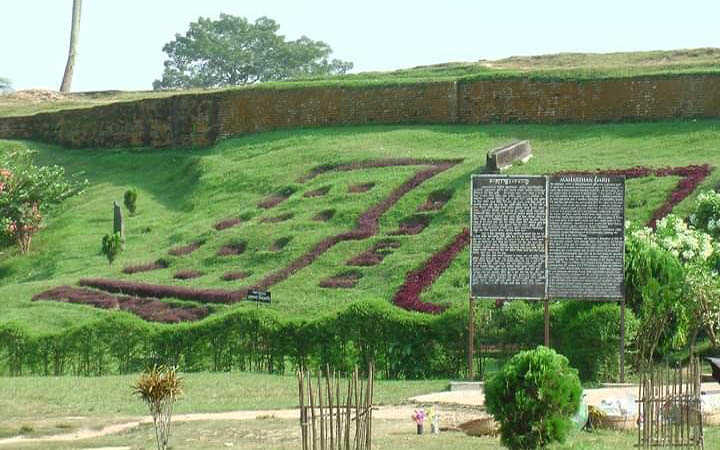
[{"x": 403, "y": 344}]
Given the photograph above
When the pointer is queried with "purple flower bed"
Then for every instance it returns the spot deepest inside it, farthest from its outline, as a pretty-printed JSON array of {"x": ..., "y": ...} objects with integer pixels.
[
  {"x": 187, "y": 274},
  {"x": 412, "y": 225},
  {"x": 408, "y": 296},
  {"x": 344, "y": 280},
  {"x": 359, "y": 188},
  {"x": 374, "y": 255},
  {"x": 155, "y": 265},
  {"x": 232, "y": 276},
  {"x": 436, "y": 200},
  {"x": 148, "y": 309},
  {"x": 277, "y": 219},
  {"x": 317, "y": 192},
  {"x": 228, "y": 223},
  {"x": 235, "y": 248},
  {"x": 185, "y": 249},
  {"x": 163, "y": 291}
]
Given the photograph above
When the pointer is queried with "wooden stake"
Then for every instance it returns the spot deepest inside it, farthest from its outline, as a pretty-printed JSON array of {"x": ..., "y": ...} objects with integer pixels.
[{"x": 471, "y": 339}]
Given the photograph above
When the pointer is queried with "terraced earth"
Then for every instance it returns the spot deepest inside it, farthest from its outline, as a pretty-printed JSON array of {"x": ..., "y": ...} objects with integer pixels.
[{"x": 320, "y": 217}]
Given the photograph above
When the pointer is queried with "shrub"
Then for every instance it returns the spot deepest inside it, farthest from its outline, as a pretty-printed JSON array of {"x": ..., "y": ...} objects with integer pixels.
[
  {"x": 112, "y": 246},
  {"x": 533, "y": 397},
  {"x": 706, "y": 213},
  {"x": 159, "y": 388},
  {"x": 589, "y": 336},
  {"x": 130, "y": 199}
]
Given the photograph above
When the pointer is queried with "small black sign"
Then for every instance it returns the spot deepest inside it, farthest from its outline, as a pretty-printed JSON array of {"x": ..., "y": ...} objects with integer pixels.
[{"x": 259, "y": 296}]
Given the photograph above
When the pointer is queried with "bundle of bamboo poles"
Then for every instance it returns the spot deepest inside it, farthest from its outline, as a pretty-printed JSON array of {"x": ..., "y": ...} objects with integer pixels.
[
  {"x": 329, "y": 421},
  {"x": 669, "y": 412}
]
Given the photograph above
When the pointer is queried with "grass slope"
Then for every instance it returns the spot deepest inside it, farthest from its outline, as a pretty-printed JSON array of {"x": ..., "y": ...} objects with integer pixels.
[
  {"x": 554, "y": 66},
  {"x": 184, "y": 193}
]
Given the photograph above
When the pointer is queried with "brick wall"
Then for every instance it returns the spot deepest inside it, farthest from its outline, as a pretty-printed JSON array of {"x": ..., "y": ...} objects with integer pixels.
[{"x": 200, "y": 119}]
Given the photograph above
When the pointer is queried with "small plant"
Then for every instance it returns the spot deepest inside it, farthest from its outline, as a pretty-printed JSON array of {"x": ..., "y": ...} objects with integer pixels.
[
  {"x": 112, "y": 246},
  {"x": 533, "y": 398},
  {"x": 130, "y": 200},
  {"x": 159, "y": 388}
]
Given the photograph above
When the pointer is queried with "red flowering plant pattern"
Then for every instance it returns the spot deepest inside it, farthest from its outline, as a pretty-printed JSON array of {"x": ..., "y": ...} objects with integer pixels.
[{"x": 366, "y": 226}]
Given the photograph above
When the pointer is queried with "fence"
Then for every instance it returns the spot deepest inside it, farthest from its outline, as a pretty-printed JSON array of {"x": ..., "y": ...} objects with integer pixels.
[
  {"x": 329, "y": 422},
  {"x": 669, "y": 413}
]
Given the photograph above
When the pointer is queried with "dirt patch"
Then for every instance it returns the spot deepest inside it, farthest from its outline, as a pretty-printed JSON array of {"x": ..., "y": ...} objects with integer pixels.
[
  {"x": 436, "y": 200},
  {"x": 187, "y": 274},
  {"x": 35, "y": 95},
  {"x": 358, "y": 188},
  {"x": 185, "y": 249},
  {"x": 155, "y": 265},
  {"x": 343, "y": 280},
  {"x": 277, "y": 219},
  {"x": 317, "y": 192},
  {"x": 375, "y": 254},
  {"x": 148, "y": 309},
  {"x": 324, "y": 216},
  {"x": 234, "y": 248},
  {"x": 278, "y": 197},
  {"x": 228, "y": 223},
  {"x": 412, "y": 225},
  {"x": 280, "y": 244},
  {"x": 232, "y": 276}
]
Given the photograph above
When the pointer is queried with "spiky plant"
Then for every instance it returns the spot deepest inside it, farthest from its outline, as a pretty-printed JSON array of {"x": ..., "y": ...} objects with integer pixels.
[{"x": 159, "y": 387}]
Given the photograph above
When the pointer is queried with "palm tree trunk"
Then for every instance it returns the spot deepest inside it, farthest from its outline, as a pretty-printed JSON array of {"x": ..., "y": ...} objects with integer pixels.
[{"x": 74, "y": 33}]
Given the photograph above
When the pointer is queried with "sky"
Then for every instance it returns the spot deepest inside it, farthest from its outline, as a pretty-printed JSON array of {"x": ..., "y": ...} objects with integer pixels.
[{"x": 120, "y": 44}]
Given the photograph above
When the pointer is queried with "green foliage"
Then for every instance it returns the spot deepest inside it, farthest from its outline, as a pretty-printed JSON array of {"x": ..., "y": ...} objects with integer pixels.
[
  {"x": 589, "y": 336},
  {"x": 112, "y": 246},
  {"x": 533, "y": 398},
  {"x": 130, "y": 200},
  {"x": 231, "y": 51},
  {"x": 27, "y": 192},
  {"x": 5, "y": 84},
  {"x": 706, "y": 213}
]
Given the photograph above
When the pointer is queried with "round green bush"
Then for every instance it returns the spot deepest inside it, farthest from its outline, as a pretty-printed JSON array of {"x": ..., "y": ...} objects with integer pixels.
[
  {"x": 533, "y": 398},
  {"x": 130, "y": 200}
]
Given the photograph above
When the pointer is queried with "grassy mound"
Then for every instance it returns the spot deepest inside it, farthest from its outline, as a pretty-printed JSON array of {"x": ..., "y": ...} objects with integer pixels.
[{"x": 184, "y": 195}]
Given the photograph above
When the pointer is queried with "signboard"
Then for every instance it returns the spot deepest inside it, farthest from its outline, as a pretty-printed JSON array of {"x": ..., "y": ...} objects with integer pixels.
[
  {"x": 508, "y": 236},
  {"x": 258, "y": 296},
  {"x": 547, "y": 237}
]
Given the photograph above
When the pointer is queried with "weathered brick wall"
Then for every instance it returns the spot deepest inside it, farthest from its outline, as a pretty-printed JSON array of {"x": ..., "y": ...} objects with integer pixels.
[
  {"x": 200, "y": 119},
  {"x": 641, "y": 98}
]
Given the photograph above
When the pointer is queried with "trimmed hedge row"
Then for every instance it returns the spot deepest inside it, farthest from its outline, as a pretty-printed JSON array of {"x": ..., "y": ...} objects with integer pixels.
[{"x": 403, "y": 344}]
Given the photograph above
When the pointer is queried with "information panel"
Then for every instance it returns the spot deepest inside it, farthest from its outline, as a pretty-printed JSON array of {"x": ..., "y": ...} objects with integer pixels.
[
  {"x": 586, "y": 216},
  {"x": 508, "y": 236}
]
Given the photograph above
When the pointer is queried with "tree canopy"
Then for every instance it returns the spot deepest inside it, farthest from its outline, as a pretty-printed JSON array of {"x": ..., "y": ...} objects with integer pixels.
[
  {"x": 4, "y": 84},
  {"x": 232, "y": 51}
]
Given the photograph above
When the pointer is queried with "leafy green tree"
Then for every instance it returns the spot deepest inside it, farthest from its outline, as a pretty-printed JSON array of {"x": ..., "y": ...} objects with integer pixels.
[
  {"x": 112, "y": 246},
  {"x": 232, "y": 51},
  {"x": 130, "y": 200},
  {"x": 533, "y": 397},
  {"x": 27, "y": 193},
  {"x": 4, "y": 84}
]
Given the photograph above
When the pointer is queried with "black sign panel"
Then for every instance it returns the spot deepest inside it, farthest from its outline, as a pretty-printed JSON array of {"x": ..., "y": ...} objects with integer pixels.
[
  {"x": 586, "y": 217},
  {"x": 259, "y": 296},
  {"x": 508, "y": 215}
]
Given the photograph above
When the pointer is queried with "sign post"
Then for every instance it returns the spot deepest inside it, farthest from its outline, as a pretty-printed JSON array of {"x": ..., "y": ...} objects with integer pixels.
[{"x": 548, "y": 238}]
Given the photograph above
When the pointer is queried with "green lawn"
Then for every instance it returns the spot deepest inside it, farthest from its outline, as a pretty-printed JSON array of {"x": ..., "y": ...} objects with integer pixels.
[{"x": 182, "y": 193}]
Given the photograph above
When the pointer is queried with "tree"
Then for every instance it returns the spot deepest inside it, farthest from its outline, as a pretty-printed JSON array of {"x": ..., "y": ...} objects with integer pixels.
[
  {"x": 74, "y": 35},
  {"x": 534, "y": 397},
  {"x": 112, "y": 246},
  {"x": 159, "y": 388},
  {"x": 27, "y": 192},
  {"x": 4, "y": 84},
  {"x": 231, "y": 51}
]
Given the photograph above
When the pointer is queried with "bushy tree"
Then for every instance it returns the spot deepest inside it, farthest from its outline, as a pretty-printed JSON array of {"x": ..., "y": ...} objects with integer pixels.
[
  {"x": 4, "y": 84},
  {"x": 159, "y": 388},
  {"x": 112, "y": 246},
  {"x": 533, "y": 398},
  {"x": 27, "y": 193},
  {"x": 233, "y": 51},
  {"x": 130, "y": 200}
]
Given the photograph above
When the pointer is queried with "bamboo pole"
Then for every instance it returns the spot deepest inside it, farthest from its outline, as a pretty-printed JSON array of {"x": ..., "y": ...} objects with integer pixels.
[
  {"x": 330, "y": 407},
  {"x": 347, "y": 414},
  {"x": 322, "y": 414},
  {"x": 312, "y": 411},
  {"x": 303, "y": 412}
]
